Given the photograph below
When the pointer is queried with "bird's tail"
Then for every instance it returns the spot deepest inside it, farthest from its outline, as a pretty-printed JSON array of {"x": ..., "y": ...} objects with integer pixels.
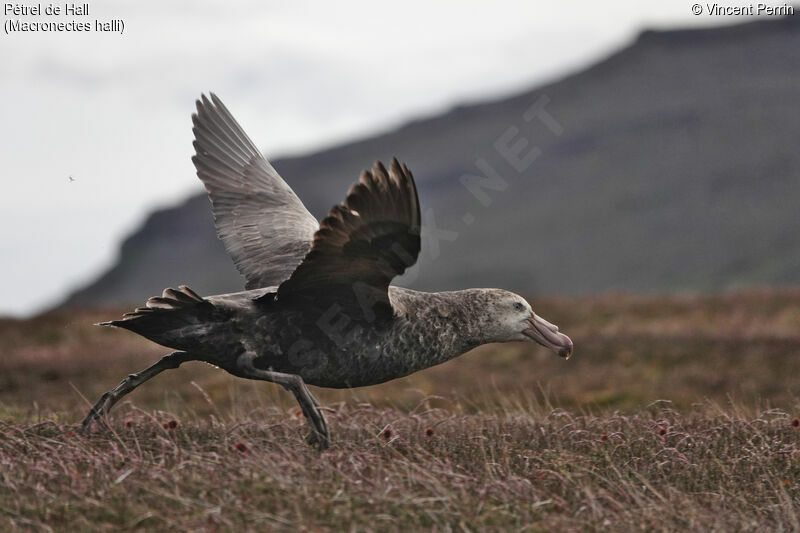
[{"x": 177, "y": 319}]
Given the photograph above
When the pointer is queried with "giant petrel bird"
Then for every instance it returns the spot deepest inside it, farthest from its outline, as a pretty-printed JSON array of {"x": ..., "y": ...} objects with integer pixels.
[{"x": 318, "y": 307}]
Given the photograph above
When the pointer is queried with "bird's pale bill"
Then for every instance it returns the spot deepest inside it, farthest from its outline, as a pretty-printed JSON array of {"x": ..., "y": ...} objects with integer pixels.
[{"x": 547, "y": 335}]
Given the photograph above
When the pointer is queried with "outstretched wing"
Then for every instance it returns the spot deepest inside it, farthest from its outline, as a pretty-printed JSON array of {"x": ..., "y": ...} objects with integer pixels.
[
  {"x": 265, "y": 227},
  {"x": 373, "y": 236}
]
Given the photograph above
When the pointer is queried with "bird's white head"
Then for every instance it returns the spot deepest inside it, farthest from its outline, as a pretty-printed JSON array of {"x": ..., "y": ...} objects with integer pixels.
[{"x": 511, "y": 318}]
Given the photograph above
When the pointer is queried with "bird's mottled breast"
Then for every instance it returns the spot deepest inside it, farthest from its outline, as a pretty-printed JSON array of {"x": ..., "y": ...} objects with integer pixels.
[{"x": 333, "y": 350}]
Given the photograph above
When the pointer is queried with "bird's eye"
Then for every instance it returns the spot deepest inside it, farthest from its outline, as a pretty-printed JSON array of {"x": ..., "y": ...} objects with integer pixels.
[{"x": 518, "y": 306}]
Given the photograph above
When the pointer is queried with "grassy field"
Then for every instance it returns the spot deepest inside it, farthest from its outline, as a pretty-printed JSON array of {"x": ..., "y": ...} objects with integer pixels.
[{"x": 674, "y": 413}]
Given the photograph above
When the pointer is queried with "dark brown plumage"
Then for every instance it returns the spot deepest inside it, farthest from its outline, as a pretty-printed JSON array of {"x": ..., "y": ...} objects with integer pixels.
[
  {"x": 363, "y": 243},
  {"x": 320, "y": 308}
]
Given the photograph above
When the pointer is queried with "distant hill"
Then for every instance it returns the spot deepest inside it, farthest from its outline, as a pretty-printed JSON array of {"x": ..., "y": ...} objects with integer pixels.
[{"x": 674, "y": 164}]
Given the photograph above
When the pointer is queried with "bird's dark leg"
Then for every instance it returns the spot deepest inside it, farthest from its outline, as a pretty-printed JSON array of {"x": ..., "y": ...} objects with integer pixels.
[
  {"x": 319, "y": 435},
  {"x": 107, "y": 400}
]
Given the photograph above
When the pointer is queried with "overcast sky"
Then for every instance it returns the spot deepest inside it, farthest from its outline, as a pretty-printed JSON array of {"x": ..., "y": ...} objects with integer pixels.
[{"x": 113, "y": 111}]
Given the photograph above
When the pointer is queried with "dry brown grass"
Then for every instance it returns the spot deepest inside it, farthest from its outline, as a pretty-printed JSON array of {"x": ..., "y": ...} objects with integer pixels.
[
  {"x": 523, "y": 468},
  {"x": 644, "y": 429}
]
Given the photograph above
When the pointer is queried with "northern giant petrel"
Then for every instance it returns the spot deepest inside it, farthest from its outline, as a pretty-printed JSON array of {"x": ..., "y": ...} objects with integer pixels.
[{"x": 318, "y": 307}]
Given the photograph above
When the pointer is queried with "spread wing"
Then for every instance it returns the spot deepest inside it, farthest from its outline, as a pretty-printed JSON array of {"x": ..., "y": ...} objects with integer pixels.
[
  {"x": 265, "y": 227},
  {"x": 364, "y": 242}
]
